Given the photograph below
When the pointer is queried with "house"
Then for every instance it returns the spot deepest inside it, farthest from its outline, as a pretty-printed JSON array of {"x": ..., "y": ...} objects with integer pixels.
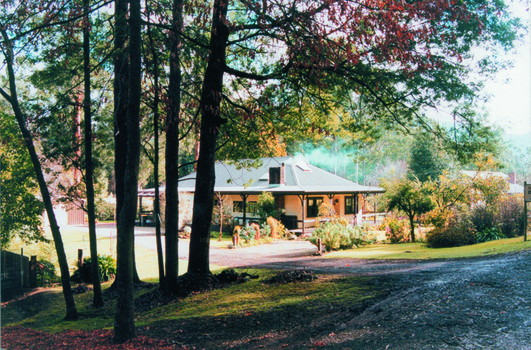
[{"x": 297, "y": 186}]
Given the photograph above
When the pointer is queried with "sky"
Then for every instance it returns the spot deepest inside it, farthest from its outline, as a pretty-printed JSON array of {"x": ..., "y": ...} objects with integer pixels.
[{"x": 510, "y": 105}]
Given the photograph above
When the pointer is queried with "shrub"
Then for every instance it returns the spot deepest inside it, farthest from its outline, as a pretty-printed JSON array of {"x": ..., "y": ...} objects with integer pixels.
[
  {"x": 45, "y": 272},
  {"x": 439, "y": 217},
  {"x": 278, "y": 230},
  {"x": 458, "y": 231},
  {"x": 489, "y": 234},
  {"x": 265, "y": 230},
  {"x": 247, "y": 233},
  {"x": 483, "y": 217},
  {"x": 510, "y": 216},
  {"x": 104, "y": 210},
  {"x": 396, "y": 230},
  {"x": 266, "y": 206},
  {"x": 107, "y": 269},
  {"x": 335, "y": 235}
]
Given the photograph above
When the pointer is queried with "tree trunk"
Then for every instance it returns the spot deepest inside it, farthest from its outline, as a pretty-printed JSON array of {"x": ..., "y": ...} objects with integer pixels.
[
  {"x": 210, "y": 123},
  {"x": 156, "y": 118},
  {"x": 412, "y": 225},
  {"x": 124, "y": 323},
  {"x": 97, "y": 300},
  {"x": 172, "y": 151},
  {"x": 71, "y": 311}
]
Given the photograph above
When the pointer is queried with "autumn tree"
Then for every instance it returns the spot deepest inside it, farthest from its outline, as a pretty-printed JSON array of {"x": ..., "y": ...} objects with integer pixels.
[{"x": 393, "y": 58}]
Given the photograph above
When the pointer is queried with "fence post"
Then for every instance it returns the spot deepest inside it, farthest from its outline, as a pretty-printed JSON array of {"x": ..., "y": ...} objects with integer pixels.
[
  {"x": 33, "y": 271},
  {"x": 21, "y": 262},
  {"x": 80, "y": 258}
]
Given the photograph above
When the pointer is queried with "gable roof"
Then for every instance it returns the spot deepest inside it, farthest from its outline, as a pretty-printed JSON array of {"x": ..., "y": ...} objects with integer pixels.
[{"x": 300, "y": 178}]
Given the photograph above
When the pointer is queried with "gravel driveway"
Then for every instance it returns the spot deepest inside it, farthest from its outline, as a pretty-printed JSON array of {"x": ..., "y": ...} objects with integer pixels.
[{"x": 478, "y": 303}]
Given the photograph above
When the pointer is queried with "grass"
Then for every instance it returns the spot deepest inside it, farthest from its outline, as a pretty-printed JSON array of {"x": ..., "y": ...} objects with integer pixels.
[
  {"x": 44, "y": 311},
  {"x": 421, "y": 251}
]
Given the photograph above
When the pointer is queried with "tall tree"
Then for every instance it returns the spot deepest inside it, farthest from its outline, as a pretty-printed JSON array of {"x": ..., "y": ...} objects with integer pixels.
[
  {"x": 12, "y": 98},
  {"x": 97, "y": 300},
  {"x": 426, "y": 161},
  {"x": 211, "y": 122},
  {"x": 172, "y": 148},
  {"x": 156, "y": 119},
  {"x": 124, "y": 324}
]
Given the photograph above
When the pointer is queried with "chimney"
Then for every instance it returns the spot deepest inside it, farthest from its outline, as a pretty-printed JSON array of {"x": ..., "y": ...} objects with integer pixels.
[
  {"x": 512, "y": 177},
  {"x": 283, "y": 174}
]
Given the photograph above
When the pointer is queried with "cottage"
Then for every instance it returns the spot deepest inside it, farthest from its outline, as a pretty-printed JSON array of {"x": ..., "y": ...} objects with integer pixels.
[{"x": 297, "y": 186}]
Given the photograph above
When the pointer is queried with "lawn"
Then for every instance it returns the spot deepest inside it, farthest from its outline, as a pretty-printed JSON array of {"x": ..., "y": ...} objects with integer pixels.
[{"x": 421, "y": 251}]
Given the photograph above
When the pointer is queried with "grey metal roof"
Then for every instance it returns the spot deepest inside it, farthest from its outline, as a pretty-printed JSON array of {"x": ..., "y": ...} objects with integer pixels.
[{"x": 300, "y": 178}]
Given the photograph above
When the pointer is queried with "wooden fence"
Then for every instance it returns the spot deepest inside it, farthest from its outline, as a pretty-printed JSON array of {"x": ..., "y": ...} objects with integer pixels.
[{"x": 15, "y": 274}]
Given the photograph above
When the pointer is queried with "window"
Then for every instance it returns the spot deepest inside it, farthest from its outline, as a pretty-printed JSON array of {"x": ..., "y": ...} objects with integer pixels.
[
  {"x": 351, "y": 205},
  {"x": 274, "y": 176},
  {"x": 251, "y": 207},
  {"x": 312, "y": 209}
]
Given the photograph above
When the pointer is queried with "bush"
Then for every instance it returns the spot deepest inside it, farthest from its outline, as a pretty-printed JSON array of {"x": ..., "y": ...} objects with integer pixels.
[
  {"x": 265, "y": 230},
  {"x": 439, "y": 217},
  {"x": 277, "y": 230},
  {"x": 335, "y": 235},
  {"x": 483, "y": 217},
  {"x": 107, "y": 269},
  {"x": 510, "y": 216},
  {"x": 489, "y": 234},
  {"x": 396, "y": 230},
  {"x": 458, "y": 231},
  {"x": 247, "y": 233},
  {"x": 266, "y": 206},
  {"x": 45, "y": 272},
  {"x": 104, "y": 211}
]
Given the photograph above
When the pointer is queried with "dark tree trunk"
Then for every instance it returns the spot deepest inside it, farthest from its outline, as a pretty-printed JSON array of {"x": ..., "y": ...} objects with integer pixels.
[
  {"x": 412, "y": 227},
  {"x": 156, "y": 118},
  {"x": 71, "y": 311},
  {"x": 172, "y": 151},
  {"x": 210, "y": 123},
  {"x": 97, "y": 300},
  {"x": 124, "y": 323}
]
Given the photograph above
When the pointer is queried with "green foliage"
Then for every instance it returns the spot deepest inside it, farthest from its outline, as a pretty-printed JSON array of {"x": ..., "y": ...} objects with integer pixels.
[
  {"x": 408, "y": 196},
  {"x": 336, "y": 235},
  {"x": 489, "y": 234},
  {"x": 458, "y": 231},
  {"x": 247, "y": 233},
  {"x": 104, "y": 210},
  {"x": 106, "y": 267},
  {"x": 396, "y": 230},
  {"x": 266, "y": 206},
  {"x": 483, "y": 217},
  {"x": 45, "y": 272},
  {"x": 20, "y": 210},
  {"x": 425, "y": 159},
  {"x": 265, "y": 230}
]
